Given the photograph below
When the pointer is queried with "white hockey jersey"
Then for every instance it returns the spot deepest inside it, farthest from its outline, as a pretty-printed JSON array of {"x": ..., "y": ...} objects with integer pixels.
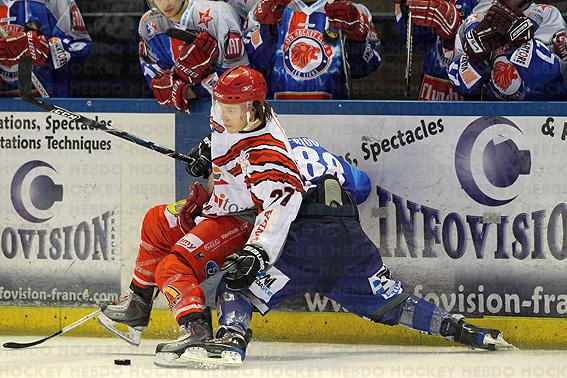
[{"x": 255, "y": 170}]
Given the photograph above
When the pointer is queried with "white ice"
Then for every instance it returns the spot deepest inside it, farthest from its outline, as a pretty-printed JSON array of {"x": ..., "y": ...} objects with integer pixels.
[{"x": 94, "y": 357}]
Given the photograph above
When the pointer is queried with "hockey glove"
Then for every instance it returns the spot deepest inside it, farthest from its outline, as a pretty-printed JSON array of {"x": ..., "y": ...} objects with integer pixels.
[
  {"x": 170, "y": 91},
  {"x": 242, "y": 267},
  {"x": 269, "y": 12},
  {"x": 442, "y": 16},
  {"x": 345, "y": 16},
  {"x": 198, "y": 196},
  {"x": 559, "y": 44},
  {"x": 196, "y": 58},
  {"x": 200, "y": 166},
  {"x": 510, "y": 22},
  {"x": 18, "y": 44},
  {"x": 481, "y": 41}
]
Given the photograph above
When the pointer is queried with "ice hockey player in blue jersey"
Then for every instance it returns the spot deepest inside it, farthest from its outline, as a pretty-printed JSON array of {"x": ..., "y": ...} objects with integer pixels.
[
  {"x": 177, "y": 71},
  {"x": 51, "y": 32},
  {"x": 511, "y": 50},
  {"x": 310, "y": 50},
  {"x": 436, "y": 25}
]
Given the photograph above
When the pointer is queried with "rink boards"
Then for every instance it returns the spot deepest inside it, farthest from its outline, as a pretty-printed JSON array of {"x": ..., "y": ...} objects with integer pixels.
[{"x": 467, "y": 204}]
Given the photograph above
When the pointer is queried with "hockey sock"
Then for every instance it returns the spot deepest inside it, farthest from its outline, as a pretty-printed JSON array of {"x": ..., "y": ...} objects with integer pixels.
[{"x": 234, "y": 309}]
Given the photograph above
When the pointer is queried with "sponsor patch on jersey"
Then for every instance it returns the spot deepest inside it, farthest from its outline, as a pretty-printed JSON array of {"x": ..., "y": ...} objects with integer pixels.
[
  {"x": 256, "y": 38},
  {"x": 77, "y": 19},
  {"x": 435, "y": 89},
  {"x": 523, "y": 55},
  {"x": 381, "y": 284},
  {"x": 211, "y": 245},
  {"x": 190, "y": 242},
  {"x": 468, "y": 74},
  {"x": 233, "y": 46},
  {"x": 211, "y": 268},
  {"x": 59, "y": 55},
  {"x": 268, "y": 283},
  {"x": 306, "y": 54}
]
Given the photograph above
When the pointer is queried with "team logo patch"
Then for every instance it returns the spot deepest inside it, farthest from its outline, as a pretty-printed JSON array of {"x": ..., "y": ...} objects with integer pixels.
[
  {"x": 506, "y": 80},
  {"x": 211, "y": 268},
  {"x": 306, "y": 54},
  {"x": 205, "y": 18}
]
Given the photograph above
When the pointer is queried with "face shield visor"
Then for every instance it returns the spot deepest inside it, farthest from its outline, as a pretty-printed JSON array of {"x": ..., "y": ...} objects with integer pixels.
[{"x": 234, "y": 117}]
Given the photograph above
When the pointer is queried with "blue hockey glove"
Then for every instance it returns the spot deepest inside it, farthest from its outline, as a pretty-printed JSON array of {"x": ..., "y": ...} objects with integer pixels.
[{"x": 242, "y": 267}]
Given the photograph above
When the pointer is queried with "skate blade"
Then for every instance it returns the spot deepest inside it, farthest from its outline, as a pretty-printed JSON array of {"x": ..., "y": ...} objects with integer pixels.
[
  {"x": 498, "y": 343},
  {"x": 201, "y": 358},
  {"x": 169, "y": 360},
  {"x": 130, "y": 335}
]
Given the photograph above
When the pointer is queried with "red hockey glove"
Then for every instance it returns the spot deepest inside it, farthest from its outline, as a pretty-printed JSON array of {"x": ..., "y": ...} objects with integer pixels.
[
  {"x": 510, "y": 22},
  {"x": 196, "y": 58},
  {"x": 345, "y": 16},
  {"x": 440, "y": 15},
  {"x": 242, "y": 267},
  {"x": 18, "y": 44},
  {"x": 170, "y": 91},
  {"x": 270, "y": 12},
  {"x": 198, "y": 196},
  {"x": 482, "y": 40}
]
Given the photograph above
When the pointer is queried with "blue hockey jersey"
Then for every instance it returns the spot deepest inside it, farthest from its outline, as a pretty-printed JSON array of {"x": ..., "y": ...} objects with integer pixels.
[
  {"x": 314, "y": 161},
  {"x": 61, "y": 23},
  {"x": 302, "y": 57}
]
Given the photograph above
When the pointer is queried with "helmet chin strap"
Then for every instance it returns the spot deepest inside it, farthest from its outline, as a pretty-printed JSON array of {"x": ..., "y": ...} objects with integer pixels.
[{"x": 251, "y": 124}]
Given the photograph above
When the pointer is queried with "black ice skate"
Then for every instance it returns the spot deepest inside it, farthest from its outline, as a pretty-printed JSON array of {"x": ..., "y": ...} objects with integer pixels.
[
  {"x": 195, "y": 330},
  {"x": 128, "y": 317},
  {"x": 475, "y": 337},
  {"x": 227, "y": 349}
]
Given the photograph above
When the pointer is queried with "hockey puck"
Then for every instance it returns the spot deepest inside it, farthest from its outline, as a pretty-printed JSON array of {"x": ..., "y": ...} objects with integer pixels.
[{"x": 122, "y": 362}]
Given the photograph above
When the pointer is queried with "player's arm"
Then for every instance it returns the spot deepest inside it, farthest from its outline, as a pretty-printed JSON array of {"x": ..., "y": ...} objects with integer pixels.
[
  {"x": 362, "y": 43},
  {"x": 70, "y": 41},
  {"x": 229, "y": 35},
  {"x": 276, "y": 189},
  {"x": 261, "y": 40}
]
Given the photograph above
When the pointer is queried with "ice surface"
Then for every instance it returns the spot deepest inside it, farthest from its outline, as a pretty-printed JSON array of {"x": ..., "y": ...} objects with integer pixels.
[{"x": 94, "y": 357}]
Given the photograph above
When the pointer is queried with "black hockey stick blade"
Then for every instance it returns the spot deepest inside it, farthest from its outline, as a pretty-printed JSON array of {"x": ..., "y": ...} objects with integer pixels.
[
  {"x": 14, "y": 345},
  {"x": 25, "y": 85},
  {"x": 182, "y": 35}
]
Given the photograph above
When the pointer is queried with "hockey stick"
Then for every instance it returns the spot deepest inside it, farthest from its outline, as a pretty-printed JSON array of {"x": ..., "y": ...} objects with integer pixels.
[
  {"x": 409, "y": 56},
  {"x": 24, "y": 82},
  {"x": 36, "y": 83},
  {"x": 182, "y": 35},
  {"x": 14, "y": 345}
]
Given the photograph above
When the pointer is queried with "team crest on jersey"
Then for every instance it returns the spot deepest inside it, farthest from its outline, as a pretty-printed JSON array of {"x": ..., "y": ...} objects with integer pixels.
[
  {"x": 205, "y": 18},
  {"x": 306, "y": 54}
]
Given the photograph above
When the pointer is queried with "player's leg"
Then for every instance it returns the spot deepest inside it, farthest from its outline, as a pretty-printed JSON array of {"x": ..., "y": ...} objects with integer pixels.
[
  {"x": 159, "y": 233},
  {"x": 367, "y": 289},
  {"x": 196, "y": 257}
]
